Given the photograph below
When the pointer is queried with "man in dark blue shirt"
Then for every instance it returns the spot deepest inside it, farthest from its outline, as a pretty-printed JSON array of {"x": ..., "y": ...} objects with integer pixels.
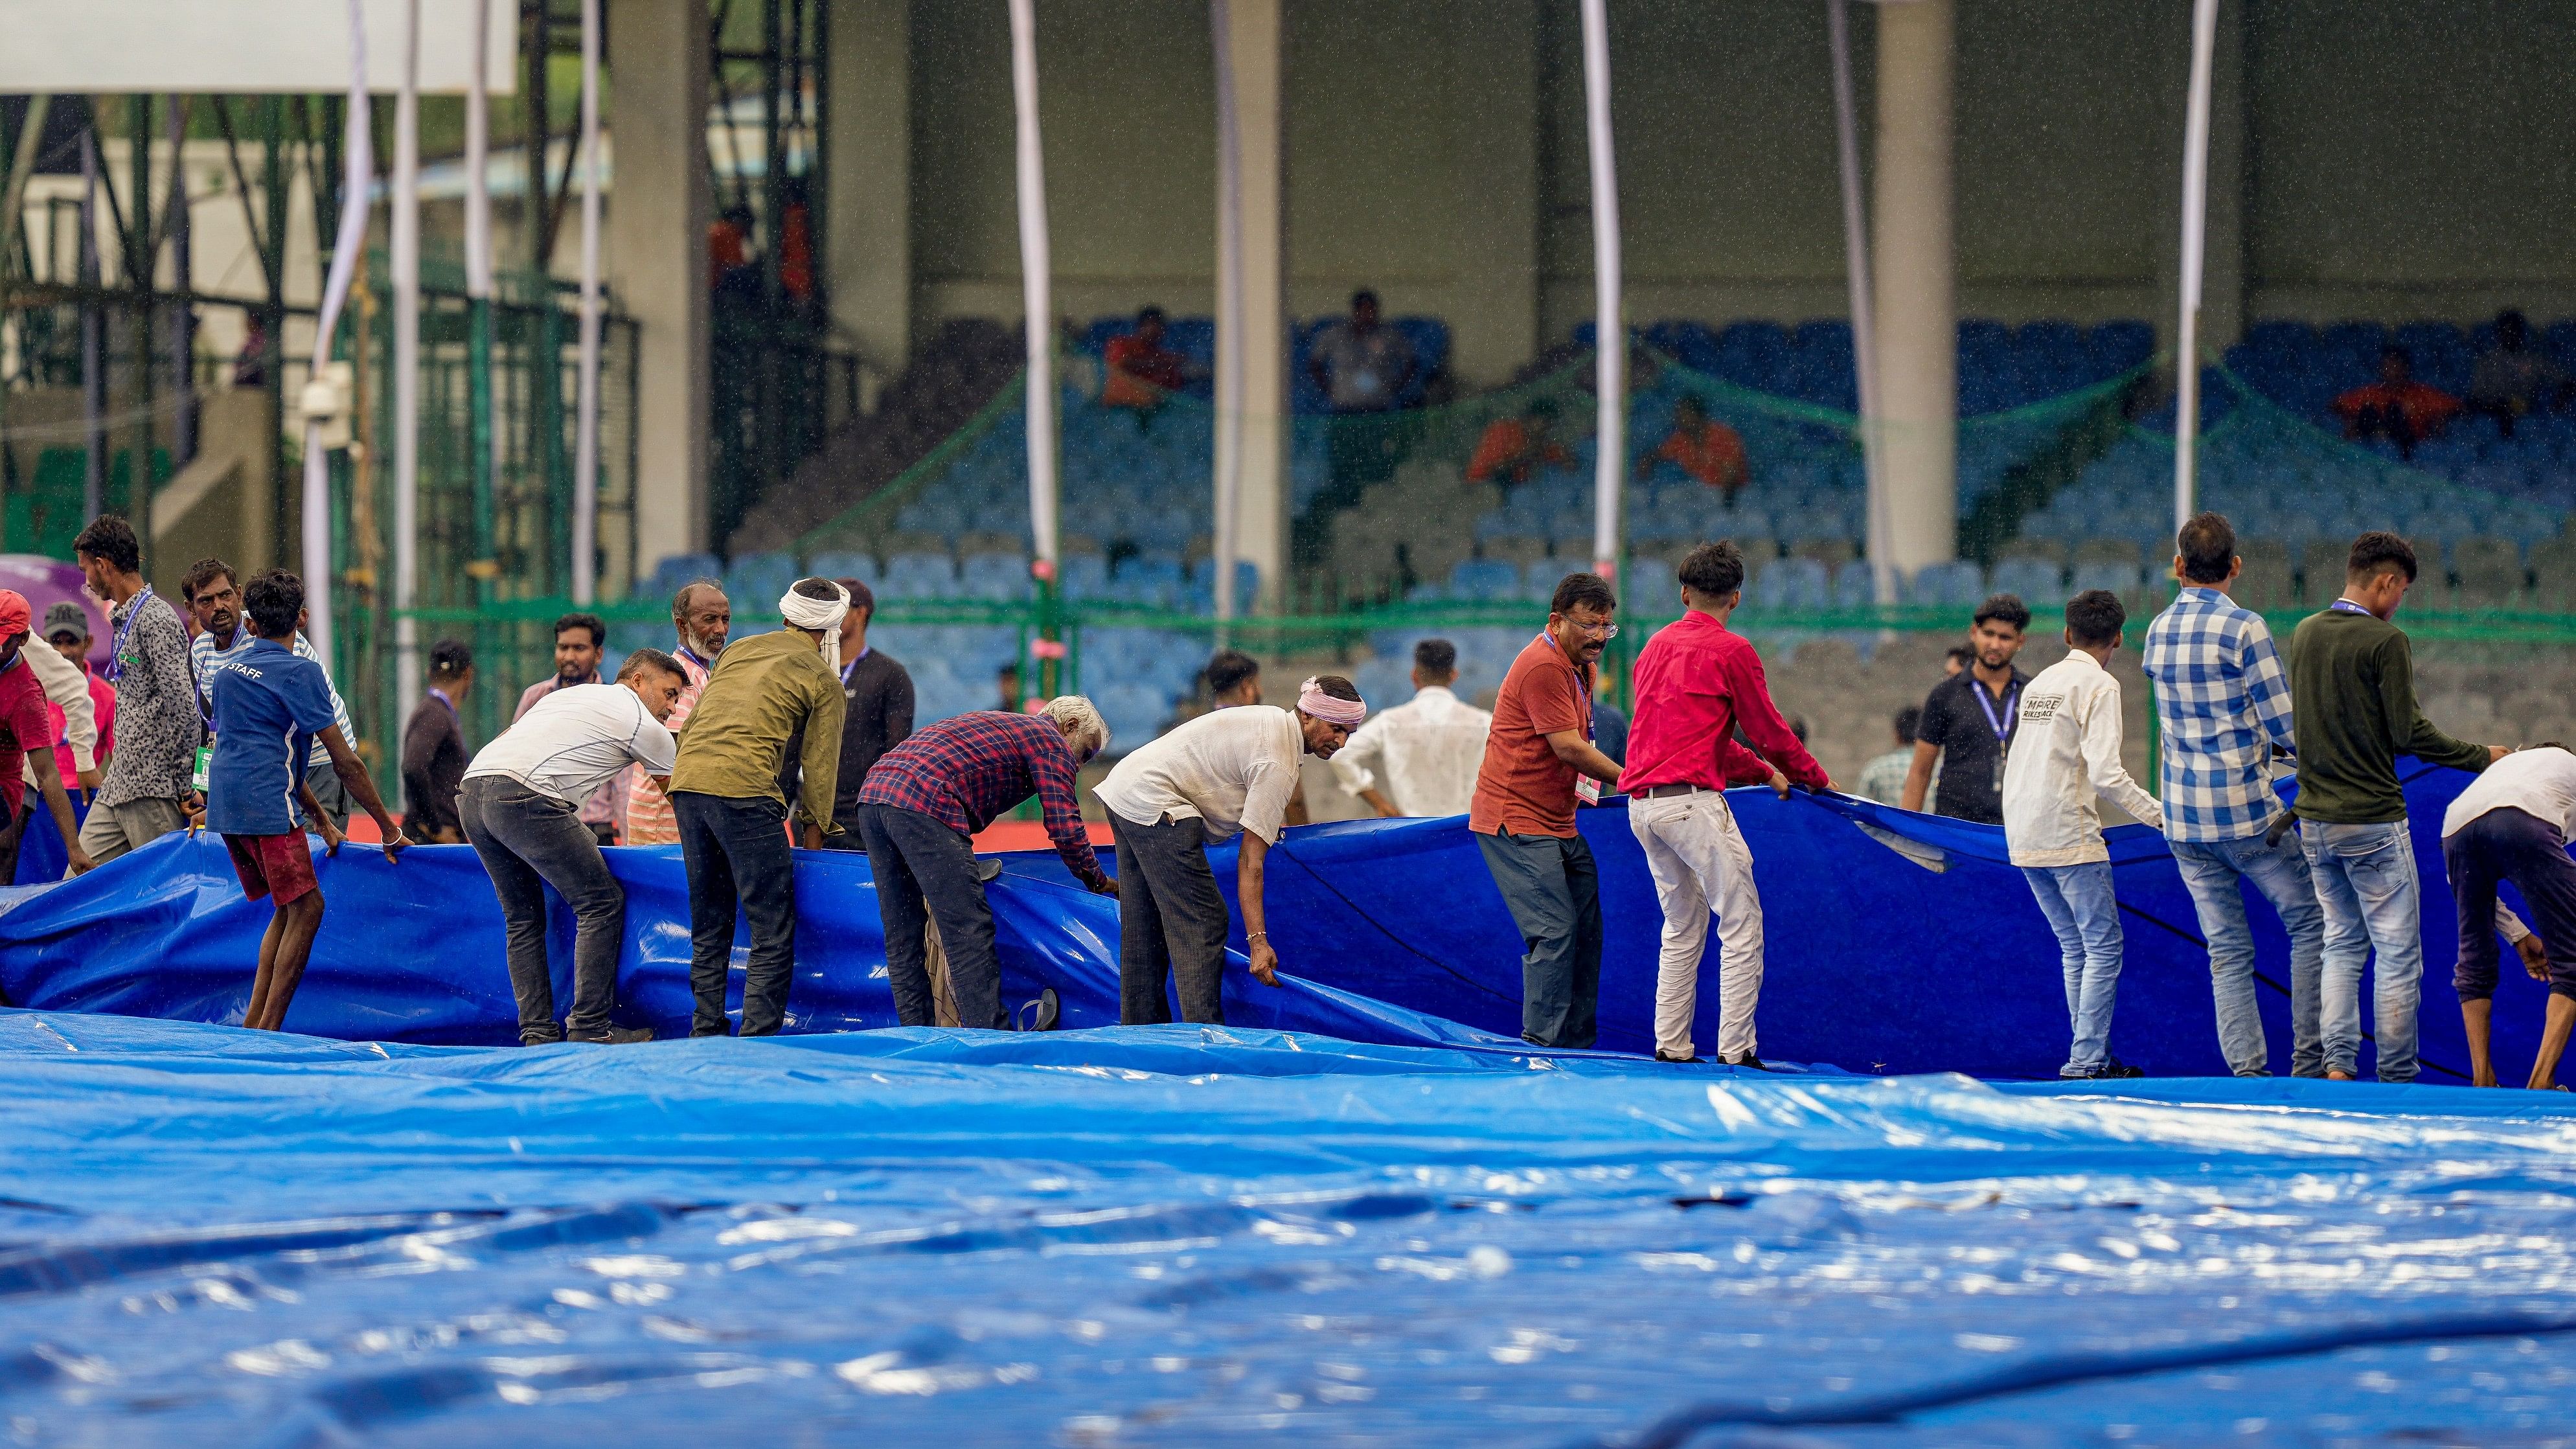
[{"x": 270, "y": 707}]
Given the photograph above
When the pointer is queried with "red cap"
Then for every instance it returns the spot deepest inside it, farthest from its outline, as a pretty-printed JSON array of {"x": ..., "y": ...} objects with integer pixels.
[{"x": 15, "y": 616}]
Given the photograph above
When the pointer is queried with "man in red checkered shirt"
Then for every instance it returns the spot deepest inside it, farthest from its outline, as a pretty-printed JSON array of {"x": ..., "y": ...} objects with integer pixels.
[{"x": 919, "y": 810}]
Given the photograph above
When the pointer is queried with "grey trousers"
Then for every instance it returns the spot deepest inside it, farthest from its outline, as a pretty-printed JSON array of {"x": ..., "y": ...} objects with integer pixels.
[
  {"x": 527, "y": 842},
  {"x": 1553, "y": 891},
  {"x": 1172, "y": 923},
  {"x": 112, "y": 830},
  {"x": 915, "y": 857}
]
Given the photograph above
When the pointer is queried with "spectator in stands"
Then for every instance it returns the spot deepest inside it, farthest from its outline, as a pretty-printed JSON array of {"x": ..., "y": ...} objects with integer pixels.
[
  {"x": 1513, "y": 448},
  {"x": 1540, "y": 763},
  {"x": 763, "y": 692},
  {"x": 2396, "y": 407},
  {"x": 1696, "y": 684},
  {"x": 876, "y": 716},
  {"x": 2220, "y": 698},
  {"x": 1141, "y": 373},
  {"x": 731, "y": 273},
  {"x": 2053, "y": 831},
  {"x": 158, "y": 731},
  {"x": 2352, "y": 685},
  {"x": 250, "y": 364},
  {"x": 702, "y": 617},
  {"x": 2513, "y": 823},
  {"x": 1883, "y": 778},
  {"x": 1007, "y": 679},
  {"x": 1703, "y": 447},
  {"x": 521, "y": 808},
  {"x": 214, "y": 599},
  {"x": 1228, "y": 772},
  {"x": 433, "y": 748},
  {"x": 1420, "y": 757},
  {"x": 1363, "y": 368},
  {"x": 271, "y": 704},
  {"x": 918, "y": 814},
  {"x": 1968, "y": 720},
  {"x": 581, "y": 641},
  {"x": 2511, "y": 379},
  {"x": 67, "y": 630},
  {"x": 26, "y": 734}
]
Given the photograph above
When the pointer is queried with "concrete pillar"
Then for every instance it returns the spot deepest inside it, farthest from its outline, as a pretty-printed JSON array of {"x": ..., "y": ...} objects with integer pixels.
[
  {"x": 1917, "y": 283},
  {"x": 657, "y": 260},
  {"x": 1494, "y": 303},
  {"x": 1257, "y": 35},
  {"x": 867, "y": 176}
]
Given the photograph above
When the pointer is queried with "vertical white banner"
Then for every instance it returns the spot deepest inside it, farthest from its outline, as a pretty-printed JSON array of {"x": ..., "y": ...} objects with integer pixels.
[
  {"x": 1610, "y": 464},
  {"x": 2195, "y": 219},
  {"x": 1037, "y": 286}
]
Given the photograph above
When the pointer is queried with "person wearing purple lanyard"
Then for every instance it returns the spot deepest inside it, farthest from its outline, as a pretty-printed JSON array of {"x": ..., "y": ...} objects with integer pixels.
[
  {"x": 1969, "y": 719},
  {"x": 433, "y": 752},
  {"x": 143, "y": 796},
  {"x": 581, "y": 643}
]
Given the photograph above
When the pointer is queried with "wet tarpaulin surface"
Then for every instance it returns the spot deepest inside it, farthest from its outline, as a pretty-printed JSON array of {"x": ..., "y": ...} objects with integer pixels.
[
  {"x": 1392, "y": 930},
  {"x": 1186, "y": 1236}
]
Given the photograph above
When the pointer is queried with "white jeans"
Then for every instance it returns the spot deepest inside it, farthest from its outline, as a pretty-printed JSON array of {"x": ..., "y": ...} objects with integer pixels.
[{"x": 1700, "y": 862}]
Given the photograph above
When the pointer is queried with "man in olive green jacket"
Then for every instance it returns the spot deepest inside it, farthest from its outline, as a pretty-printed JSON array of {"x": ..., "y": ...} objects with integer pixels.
[
  {"x": 732, "y": 816},
  {"x": 2352, "y": 691}
]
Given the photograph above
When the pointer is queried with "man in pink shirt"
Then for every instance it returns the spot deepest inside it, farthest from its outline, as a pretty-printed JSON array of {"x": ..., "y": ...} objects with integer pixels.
[
  {"x": 67, "y": 629},
  {"x": 1695, "y": 683}
]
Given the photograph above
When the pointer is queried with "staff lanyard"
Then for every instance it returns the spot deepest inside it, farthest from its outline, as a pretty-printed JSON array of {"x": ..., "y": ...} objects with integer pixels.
[
  {"x": 2347, "y": 606},
  {"x": 848, "y": 668},
  {"x": 1580, "y": 683},
  {"x": 2012, "y": 706},
  {"x": 116, "y": 659}
]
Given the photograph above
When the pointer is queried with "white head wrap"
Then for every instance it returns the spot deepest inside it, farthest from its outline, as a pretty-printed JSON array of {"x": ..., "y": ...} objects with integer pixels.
[
  {"x": 1347, "y": 713},
  {"x": 825, "y": 614}
]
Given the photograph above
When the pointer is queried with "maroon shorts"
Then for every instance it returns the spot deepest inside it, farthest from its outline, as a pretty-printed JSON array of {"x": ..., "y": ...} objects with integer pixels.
[{"x": 280, "y": 866}]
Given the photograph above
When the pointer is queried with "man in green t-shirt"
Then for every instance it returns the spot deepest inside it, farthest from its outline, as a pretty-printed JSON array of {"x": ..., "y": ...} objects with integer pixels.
[{"x": 2352, "y": 691}]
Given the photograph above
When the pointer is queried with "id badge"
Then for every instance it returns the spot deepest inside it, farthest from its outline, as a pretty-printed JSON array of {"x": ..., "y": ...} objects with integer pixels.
[
  {"x": 200, "y": 777},
  {"x": 1587, "y": 789}
]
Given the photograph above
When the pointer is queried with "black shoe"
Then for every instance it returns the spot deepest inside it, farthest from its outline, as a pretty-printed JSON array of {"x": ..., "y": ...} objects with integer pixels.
[
  {"x": 1746, "y": 1060},
  {"x": 617, "y": 1036},
  {"x": 1043, "y": 1013},
  {"x": 2114, "y": 1070},
  {"x": 1662, "y": 1057}
]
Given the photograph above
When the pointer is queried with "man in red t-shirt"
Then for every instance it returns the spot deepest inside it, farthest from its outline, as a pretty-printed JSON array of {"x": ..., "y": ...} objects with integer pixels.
[
  {"x": 1703, "y": 447},
  {"x": 2396, "y": 407},
  {"x": 1513, "y": 448},
  {"x": 1695, "y": 683},
  {"x": 26, "y": 733},
  {"x": 1142, "y": 372},
  {"x": 1539, "y": 761}
]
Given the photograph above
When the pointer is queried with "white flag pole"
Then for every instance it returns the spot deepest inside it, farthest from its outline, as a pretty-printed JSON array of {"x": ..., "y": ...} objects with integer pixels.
[
  {"x": 357, "y": 147},
  {"x": 2195, "y": 215},
  {"x": 1882, "y": 542},
  {"x": 585, "y": 464},
  {"x": 405, "y": 255},
  {"x": 1037, "y": 287},
  {"x": 1229, "y": 314},
  {"x": 1610, "y": 465}
]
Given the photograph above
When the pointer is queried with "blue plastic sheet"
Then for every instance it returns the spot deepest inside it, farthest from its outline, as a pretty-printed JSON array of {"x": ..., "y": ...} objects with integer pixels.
[
  {"x": 1182, "y": 1236},
  {"x": 1392, "y": 930}
]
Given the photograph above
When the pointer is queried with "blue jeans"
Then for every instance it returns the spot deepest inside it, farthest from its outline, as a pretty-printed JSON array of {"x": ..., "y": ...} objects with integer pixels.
[
  {"x": 2366, "y": 882},
  {"x": 2080, "y": 908},
  {"x": 2210, "y": 870}
]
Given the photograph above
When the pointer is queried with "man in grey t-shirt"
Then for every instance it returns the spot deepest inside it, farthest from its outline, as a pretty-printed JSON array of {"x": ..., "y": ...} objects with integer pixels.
[{"x": 1363, "y": 367}]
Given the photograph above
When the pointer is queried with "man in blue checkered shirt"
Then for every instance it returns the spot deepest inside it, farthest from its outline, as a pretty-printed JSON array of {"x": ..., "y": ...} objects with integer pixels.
[{"x": 2221, "y": 697}]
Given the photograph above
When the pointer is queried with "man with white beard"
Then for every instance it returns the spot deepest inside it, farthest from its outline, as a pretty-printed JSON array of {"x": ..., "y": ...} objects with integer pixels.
[{"x": 702, "y": 617}]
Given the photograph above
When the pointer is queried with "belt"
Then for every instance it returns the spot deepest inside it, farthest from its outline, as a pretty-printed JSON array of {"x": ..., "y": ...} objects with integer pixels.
[{"x": 1658, "y": 792}]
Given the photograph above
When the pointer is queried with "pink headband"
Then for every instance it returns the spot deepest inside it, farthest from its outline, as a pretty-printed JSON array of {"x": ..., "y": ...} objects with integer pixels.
[{"x": 1311, "y": 699}]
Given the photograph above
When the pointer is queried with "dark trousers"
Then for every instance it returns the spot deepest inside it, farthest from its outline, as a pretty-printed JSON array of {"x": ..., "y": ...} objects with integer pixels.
[
  {"x": 529, "y": 841},
  {"x": 1172, "y": 923},
  {"x": 2510, "y": 845},
  {"x": 914, "y": 856},
  {"x": 1553, "y": 891},
  {"x": 736, "y": 849}
]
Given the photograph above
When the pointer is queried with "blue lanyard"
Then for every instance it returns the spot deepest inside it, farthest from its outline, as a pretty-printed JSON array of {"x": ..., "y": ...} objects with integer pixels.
[
  {"x": 116, "y": 659},
  {"x": 2347, "y": 606},
  {"x": 2012, "y": 704},
  {"x": 1580, "y": 683},
  {"x": 854, "y": 664}
]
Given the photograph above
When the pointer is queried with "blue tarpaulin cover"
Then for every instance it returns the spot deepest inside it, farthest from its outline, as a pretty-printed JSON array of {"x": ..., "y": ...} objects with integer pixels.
[{"x": 1361, "y": 1213}]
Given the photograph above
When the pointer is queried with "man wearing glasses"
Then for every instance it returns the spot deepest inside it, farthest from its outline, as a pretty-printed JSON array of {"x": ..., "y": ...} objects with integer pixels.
[{"x": 1539, "y": 762}]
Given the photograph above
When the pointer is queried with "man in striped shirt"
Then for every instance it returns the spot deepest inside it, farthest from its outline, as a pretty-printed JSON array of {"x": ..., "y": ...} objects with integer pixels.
[
  {"x": 2221, "y": 699},
  {"x": 703, "y": 617},
  {"x": 211, "y": 594}
]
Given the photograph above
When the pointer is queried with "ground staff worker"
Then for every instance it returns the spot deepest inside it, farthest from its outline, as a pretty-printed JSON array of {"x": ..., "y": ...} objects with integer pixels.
[
  {"x": 919, "y": 811},
  {"x": 1539, "y": 762},
  {"x": 724, "y": 791},
  {"x": 521, "y": 809},
  {"x": 2513, "y": 823},
  {"x": 1228, "y": 771}
]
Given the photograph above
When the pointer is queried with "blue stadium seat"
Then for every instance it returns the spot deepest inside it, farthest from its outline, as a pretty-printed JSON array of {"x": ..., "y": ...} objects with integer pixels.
[
  {"x": 1958, "y": 584},
  {"x": 860, "y": 566},
  {"x": 920, "y": 576},
  {"x": 680, "y": 569},
  {"x": 1792, "y": 583},
  {"x": 2038, "y": 582},
  {"x": 757, "y": 579}
]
